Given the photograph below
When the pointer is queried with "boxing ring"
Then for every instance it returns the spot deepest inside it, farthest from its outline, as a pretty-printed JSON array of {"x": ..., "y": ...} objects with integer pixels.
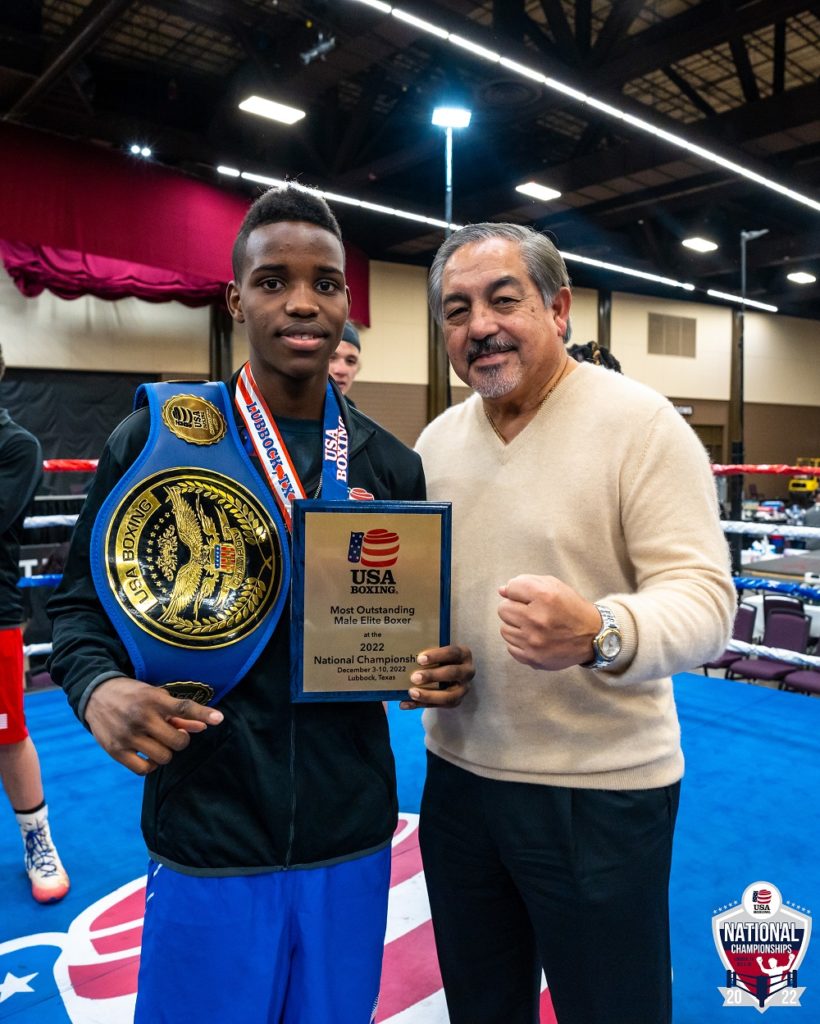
[
  {"x": 804, "y": 589},
  {"x": 415, "y": 997}
]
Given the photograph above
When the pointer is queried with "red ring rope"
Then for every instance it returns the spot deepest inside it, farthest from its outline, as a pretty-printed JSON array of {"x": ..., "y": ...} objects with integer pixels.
[
  {"x": 69, "y": 465},
  {"x": 766, "y": 468}
]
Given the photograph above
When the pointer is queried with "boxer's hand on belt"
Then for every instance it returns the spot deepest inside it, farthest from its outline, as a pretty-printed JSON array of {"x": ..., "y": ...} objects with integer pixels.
[{"x": 143, "y": 726}]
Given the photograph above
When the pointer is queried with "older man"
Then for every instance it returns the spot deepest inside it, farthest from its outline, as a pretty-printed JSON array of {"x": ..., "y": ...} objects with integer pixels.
[{"x": 588, "y": 565}]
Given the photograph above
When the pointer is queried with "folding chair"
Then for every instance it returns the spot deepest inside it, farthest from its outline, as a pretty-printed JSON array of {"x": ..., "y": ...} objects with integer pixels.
[
  {"x": 784, "y": 629},
  {"x": 743, "y": 629}
]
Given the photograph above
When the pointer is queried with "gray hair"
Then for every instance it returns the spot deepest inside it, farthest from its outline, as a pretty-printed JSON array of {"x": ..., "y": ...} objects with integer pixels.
[{"x": 541, "y": 258}]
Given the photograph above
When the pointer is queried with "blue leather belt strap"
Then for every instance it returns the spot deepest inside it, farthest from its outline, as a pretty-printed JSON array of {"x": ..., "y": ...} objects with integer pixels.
[{"x": 160, "y": 660}]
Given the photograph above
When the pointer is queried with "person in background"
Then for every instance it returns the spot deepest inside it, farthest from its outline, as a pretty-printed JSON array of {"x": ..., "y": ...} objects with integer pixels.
[
  {"x": 593, "y": 353},
  {"x": 346, "y": 362},
  {"x": 584, "y": 575},
  {"x": 268, "y": 823},
  {"x": 21, "y": 470}
]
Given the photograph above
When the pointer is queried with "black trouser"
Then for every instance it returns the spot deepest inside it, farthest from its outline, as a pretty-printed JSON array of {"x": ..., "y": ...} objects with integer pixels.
[{"x": 576, "y": 880}]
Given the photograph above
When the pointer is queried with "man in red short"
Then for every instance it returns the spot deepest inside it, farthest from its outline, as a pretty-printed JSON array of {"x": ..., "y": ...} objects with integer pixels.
[{"x": 21, "y": 469}]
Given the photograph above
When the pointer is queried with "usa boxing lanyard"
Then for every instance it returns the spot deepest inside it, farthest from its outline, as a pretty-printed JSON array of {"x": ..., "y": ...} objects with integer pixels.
[{"x": 272, "y": 451}]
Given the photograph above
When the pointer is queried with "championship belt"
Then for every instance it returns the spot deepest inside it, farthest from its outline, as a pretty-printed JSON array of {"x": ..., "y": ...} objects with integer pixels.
[{"x": 189, "y": 554}]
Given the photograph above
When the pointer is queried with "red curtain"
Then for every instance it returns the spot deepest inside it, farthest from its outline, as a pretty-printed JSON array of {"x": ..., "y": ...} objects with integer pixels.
[
  {"x": 120, "y": 222},
  {"x": 70, "y": 274}
]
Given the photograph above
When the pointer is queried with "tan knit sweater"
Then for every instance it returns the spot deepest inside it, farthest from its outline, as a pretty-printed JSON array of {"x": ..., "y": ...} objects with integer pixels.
[{"x": 609, "y": 490}]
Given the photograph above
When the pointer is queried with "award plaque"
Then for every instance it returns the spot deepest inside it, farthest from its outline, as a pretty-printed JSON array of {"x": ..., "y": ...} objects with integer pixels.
[{"x": 371, "y": 589}]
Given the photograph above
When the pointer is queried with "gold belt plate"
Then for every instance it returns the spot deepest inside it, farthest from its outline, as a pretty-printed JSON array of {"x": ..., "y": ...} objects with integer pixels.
[{"x": 193, "y": 558}]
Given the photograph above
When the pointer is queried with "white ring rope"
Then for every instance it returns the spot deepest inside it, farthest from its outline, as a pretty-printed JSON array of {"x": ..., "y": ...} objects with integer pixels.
[
  {"x": 36, "y": 650},
  {"x": 36, "y": 522},
  {"x": 775, "y": 653},
  {"x": 764, "y": 529},
  {"x": 729, "y": 526}
]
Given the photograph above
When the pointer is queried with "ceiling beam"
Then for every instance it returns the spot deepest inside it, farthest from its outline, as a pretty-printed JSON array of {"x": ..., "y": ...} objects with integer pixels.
[
  {"x": 615, "y": 28},
  {"x": 779, "y": 60},
  {"x": 508, "y": 18},
  {"x": 396, "y": 161},
  {"x": 755, "y": 120},
  {"x": 359, "y": 123},
  {"x": 552, "y": 51},
  {"x": 769, "y": 251},
  {"x": 583, "y": 26},
  {"x": 797, "y": 295},
  {"x": 689, "y": 91},
  {"x": 559, "y": 26},
  {"x": 699, "y": 28},
  {"x": 743, "y": 66},
  {"x": 84, "y": 34}
]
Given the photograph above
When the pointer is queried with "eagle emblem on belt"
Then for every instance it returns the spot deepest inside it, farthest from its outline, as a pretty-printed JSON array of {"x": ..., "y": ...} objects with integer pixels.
[{"x": 193, "y": 558}]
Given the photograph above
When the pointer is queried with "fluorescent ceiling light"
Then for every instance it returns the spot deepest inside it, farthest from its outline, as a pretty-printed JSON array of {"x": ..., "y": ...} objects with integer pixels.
[
  {"x": 801, "y": 277},
  {"x": 521, "y": 69},
  {"x": 644, "y": 275},
  {"x": 532, "y": 188},
  {"x": 479, "y": 51},
  {"x": 741, "y": 301},
  {"x": 605, "y": 108},
  {"x": 570, "y": 257},
  {"x": 271, "y": 109},
  {"x": 425, "y": 26},
  {"x": 452, "y": 117},
  {"x": 263, "y": 179},
  {"x": 231, "y": 172},
  {"x": 699, "y": 245}
]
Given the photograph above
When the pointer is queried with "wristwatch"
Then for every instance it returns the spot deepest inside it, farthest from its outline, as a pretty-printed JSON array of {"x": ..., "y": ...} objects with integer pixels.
[{"x": 607, "y": 644}]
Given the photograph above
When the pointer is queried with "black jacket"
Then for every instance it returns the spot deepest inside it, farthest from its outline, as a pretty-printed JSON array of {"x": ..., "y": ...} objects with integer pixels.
[
  {"x": 21, "y": 470},
  {"x": 276, "y": 784}
]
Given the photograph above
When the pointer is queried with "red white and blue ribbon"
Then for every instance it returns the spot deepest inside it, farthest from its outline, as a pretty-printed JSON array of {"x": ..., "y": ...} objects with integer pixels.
[{"x": 273, "y": 454}]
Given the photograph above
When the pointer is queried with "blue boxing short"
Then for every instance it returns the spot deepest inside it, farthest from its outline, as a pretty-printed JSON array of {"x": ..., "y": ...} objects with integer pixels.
[{"x": 286, "y": 947}]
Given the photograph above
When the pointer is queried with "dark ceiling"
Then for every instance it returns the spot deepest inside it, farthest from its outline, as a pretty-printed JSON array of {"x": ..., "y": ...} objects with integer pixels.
[{"x": 737, "y": 76}]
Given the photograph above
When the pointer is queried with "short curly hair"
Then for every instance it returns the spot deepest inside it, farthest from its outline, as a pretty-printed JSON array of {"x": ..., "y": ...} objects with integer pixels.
[
  {"x": 286, "y": 202},
  {"x": 593, "y": 353}
]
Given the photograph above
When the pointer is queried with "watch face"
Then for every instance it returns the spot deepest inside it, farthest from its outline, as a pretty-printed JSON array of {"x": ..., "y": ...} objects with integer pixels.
[{"x": 610, "y": 644}]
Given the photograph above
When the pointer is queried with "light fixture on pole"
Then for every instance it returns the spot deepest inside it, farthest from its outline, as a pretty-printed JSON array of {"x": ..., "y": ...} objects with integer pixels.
[
  {"x": 745, "y": 236},
  {"x": 738, "y": 445},
  {"x": 438, "y": 368},
  {"x": 449, "y": 118}
]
